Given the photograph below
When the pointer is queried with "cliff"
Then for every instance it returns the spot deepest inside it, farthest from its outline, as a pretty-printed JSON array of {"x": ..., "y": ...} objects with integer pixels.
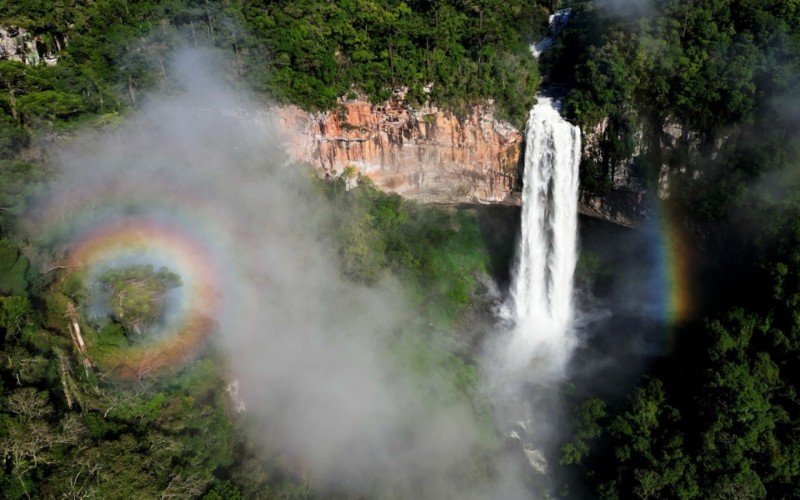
[
  {"x": 434, "y": 156},
  {"x": 426, "y": 154},
  {"x": 636, "y": 164}
]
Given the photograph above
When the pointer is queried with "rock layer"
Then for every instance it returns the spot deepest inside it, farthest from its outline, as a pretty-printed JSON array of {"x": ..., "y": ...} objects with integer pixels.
[
  {"x": 427, "y": 154},
  {"x": 434, "y": 156},
  {"x": 19, "y": 44}
]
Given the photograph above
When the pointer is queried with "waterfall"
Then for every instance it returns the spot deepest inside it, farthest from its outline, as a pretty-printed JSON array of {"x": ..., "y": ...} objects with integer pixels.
[
  {"x": 538, "y": 333},
  {"x": 541, "y": 289},
  {"x": 558, "y": 21}
]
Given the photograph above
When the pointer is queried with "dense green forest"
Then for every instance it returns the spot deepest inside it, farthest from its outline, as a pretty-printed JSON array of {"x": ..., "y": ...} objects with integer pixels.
[
  {"x": 725, "y": 71},
  {"x": 73, "y": 430},
  {"x": 308, "y": 53},
  {"x": 719, "y": 416}
]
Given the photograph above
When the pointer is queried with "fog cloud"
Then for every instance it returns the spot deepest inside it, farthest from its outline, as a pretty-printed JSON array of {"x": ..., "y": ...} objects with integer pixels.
[
  {"x": 311, "y": 351},
  {"x": 626, "y": 8}
]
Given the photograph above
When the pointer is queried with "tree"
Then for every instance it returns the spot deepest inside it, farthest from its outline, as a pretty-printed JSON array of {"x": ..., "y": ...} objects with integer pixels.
[
  {"x": 587, "y": 428},
  {"x": 14, "y": 270},
  {"x": 137, "y": 293},
  {"x": 14, "y": 313},
  {"x": 50, "y": 105}
]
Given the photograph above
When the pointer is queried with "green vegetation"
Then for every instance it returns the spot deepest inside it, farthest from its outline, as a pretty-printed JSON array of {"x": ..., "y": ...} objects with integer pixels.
[
  {"x": 137, "y": 293},
  {"x": 708, "y": 64},
  {"x": 64, "y": 432},
  {"x": 467, "y": 50},
  {"x": 440, "y": 253},
  {"x": 309, "y": 53},
  {"x": 67, "y": 430},
  {"x": 715, "y": 68},
  {"x": 14, "y": 270},
  {"x": 71, "y": 429},
  {"x": 442, "y": 261},
  {"x": 719, "y": 417}
]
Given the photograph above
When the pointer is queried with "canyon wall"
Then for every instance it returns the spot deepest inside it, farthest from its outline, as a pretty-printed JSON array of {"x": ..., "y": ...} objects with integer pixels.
[
  {"x": 652, "y": 164},
  {"x": 434, "y": 156},
  {"x": 426, "y": 154},
  {"x": 673, "y": 143}
]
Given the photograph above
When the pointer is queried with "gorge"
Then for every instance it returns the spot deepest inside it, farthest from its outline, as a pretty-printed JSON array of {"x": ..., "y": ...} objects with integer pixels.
[{"x": 358, "y": 249}]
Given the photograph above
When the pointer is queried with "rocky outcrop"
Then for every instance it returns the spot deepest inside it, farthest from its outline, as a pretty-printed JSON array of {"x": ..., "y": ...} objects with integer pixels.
[
  {"x": 623, "y": 207},
  {"x": 19, "y": 44},
  {"x": 678, "y": 145},
  {"x": 435, "y": 156},
  {"x": 626, "y": 199},
  {"x": 427, "y": 154}
]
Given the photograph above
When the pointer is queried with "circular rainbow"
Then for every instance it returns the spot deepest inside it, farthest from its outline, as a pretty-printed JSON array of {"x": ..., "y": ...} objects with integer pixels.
[{"x": 168, "y": 245}]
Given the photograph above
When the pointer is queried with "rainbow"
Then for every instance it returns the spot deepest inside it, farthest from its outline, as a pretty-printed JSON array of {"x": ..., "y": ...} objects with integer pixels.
[
  {"x": 168, "y": 244},
  {"x": 674, "y": 258}
]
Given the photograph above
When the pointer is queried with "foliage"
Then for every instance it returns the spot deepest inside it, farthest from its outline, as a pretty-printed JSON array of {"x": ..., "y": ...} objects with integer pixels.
[
  {"x": 714, "y": 70},
  {"x": 719, "y": 415},
  {"x": 716, "y": 419},
  {"x": 439, "y": 253},
  {"x": 136, "y": 294},
  {"x": 15, "y": 271},
  {"x": 157, "y": 437},
  {"x": 466, "y": 50},
  {"x": 708, "y": 63},
  {"x": 309, "y": 53},
  {"x": 14, "y": 312},
  {"x": 69, "y": 431},
  {"x": 18, "y": 181}
]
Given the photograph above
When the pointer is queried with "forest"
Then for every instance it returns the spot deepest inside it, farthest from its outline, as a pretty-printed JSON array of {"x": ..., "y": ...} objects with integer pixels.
[
  {"x": 718, "y": 416},
  {"x": 307, "y": 53}
]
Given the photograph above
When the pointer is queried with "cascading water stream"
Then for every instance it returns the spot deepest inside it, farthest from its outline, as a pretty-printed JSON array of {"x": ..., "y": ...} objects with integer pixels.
[
  {"x": 558, "y": 21},
  {"x": 540, "y": 301},
  {"x": 541, "y": 290},
  {"x": 530, "y": 356}
]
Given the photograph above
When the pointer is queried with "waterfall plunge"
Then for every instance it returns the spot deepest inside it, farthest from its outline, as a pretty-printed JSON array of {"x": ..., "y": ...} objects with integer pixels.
[
  {"x": 538, "y": 313},
  {"x": 541, "y": 289}
]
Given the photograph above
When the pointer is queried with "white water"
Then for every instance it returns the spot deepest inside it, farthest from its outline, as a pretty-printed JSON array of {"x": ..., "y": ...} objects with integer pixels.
[
  {"x": 538, "y": 312},
  {"x": 558, "y": 21},
  {"x": 541, "y": 302}
]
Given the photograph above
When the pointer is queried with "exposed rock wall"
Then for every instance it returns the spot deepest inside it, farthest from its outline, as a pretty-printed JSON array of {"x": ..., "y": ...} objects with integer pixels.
[
  {"x": 426, "y": 154},
  {"x": 19, "y": 44},
  {"x": 668, "y": 145},
  {"x": 624, "y": 207},
  {"x": 678, "y": 145},
  {"x": 626, "y": 202},
  {"x": 434, "y": 156}
]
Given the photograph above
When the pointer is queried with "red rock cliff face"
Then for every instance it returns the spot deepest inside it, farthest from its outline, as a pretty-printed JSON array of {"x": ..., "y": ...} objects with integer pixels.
[{"x": 426, "y": 154}]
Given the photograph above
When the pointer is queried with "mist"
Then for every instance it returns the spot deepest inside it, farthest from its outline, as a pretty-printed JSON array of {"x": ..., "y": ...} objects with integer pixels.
[
  {"x": 311, "y": 351},
  {"x": 626, "y": 8},
  {"x": 314, "y": 355}
]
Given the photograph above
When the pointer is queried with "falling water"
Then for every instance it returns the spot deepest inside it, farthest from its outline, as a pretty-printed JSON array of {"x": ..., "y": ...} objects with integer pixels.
[
  {"x": 538, "y": 313},
  {"x": 541, "y": 290},
  {"x": 558, "y": 21}
]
